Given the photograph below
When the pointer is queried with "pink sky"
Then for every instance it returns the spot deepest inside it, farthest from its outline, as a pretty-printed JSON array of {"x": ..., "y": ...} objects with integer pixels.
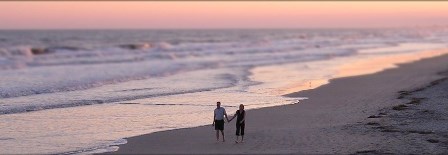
[{"x": 156, "y": 14}]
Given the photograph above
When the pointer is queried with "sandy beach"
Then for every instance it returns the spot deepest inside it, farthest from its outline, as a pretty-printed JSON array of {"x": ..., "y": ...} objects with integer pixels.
[{"x": 399, "y": 110}]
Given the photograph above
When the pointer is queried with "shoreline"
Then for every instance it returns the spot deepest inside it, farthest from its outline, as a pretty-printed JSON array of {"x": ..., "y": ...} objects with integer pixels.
[
  {"x": 317, "y": 125},
  {"x": 337, "y": 68}
]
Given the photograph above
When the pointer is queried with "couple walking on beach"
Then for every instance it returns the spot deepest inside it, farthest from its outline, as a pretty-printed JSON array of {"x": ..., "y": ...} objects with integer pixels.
[{"x": 218, "y": 121}]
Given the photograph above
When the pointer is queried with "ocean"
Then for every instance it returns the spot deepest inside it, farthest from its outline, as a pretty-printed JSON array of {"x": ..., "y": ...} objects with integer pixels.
[{"x": 84, "y": 91}]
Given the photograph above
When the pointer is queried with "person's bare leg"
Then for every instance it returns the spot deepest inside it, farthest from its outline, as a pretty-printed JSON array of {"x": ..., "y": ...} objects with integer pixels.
[
  {"x": 236, "y": 141},
  {"x": 242, "y": 138},
  {"x": 223, "y": 139},
  {"x": 217, "y": 135}
]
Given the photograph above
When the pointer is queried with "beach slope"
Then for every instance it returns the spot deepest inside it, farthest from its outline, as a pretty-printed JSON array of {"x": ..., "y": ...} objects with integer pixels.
[{"x": 334, "y": 120}]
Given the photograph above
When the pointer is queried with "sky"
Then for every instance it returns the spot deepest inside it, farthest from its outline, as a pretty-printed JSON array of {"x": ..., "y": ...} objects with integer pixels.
[{"x": 223, "y": 14}]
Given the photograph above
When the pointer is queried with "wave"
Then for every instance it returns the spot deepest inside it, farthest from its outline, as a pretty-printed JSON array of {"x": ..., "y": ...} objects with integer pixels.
[
  {"x": 64, "y": 55},
  {"x": 135, "y": 46},
  {"x": 4, "y": 109},
  {"x": 98, "y": 149},
  {"x": 32, "y": 51},
  {"x": 141, "y": 46},
  {"x": 18, "y": 51},
  {"x": 119, "y": 92},
  {"x": 403, "y": 48},
  {"x": 126, "y": 68},
  {"x": 87, "y": 80}
]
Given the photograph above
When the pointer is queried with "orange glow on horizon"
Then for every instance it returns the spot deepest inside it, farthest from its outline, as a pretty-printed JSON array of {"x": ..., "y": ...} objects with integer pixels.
[{"x": 220, "y": 14}]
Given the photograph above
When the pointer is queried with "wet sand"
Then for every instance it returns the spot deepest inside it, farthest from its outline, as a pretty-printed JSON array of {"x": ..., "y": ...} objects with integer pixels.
[{"x": 399, "y": 110}]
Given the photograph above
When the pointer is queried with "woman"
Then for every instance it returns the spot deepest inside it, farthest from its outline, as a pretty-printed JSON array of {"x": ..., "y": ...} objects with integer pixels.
[{"x": 240, "y": 123}]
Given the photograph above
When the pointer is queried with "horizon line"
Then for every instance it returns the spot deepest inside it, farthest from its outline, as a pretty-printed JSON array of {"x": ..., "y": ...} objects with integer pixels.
[{"x": 231, "y": 28}]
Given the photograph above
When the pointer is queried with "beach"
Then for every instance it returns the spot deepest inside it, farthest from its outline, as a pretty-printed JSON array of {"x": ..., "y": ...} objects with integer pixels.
[
  {"x": 399, "y": 110},
  {"x": 81, "y": 92}
]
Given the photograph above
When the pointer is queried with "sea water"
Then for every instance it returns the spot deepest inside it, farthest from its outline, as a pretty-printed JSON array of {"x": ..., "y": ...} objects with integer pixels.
[{"x": 83, "y": 91}]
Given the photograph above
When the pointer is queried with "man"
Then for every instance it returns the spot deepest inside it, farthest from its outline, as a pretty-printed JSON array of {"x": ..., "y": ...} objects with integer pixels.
[{"x": 218, "y": 120}]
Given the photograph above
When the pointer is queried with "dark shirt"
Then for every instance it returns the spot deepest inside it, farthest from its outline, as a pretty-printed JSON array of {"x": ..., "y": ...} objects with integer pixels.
[{"x": 240, "y": 116}]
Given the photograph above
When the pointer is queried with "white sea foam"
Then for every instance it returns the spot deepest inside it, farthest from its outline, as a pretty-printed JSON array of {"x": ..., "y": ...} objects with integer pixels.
[{"x": 405, "y": 47}]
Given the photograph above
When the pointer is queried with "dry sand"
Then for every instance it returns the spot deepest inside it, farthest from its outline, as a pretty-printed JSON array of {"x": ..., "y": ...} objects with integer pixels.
[{"x": 334, "y": 120}]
